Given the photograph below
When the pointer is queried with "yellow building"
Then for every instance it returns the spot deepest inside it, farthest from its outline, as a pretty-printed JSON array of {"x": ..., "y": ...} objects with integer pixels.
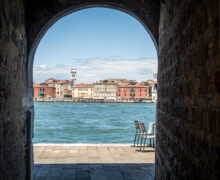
[{"x": 82, "y": 91}]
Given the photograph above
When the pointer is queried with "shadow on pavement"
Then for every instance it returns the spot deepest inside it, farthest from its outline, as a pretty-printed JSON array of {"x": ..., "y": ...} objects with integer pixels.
[{"x": 131, "y": 171}]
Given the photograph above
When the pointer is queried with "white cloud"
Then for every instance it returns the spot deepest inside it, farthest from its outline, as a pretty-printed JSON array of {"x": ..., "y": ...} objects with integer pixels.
[{"x": 96, "y": 69}]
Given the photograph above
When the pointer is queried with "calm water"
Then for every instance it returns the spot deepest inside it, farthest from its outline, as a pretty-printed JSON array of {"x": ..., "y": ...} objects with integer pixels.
[{"x": 89, "y": 122}]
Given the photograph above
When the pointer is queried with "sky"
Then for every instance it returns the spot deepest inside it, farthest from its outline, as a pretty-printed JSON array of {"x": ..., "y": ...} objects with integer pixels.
[{"x": 100, "y": 43}]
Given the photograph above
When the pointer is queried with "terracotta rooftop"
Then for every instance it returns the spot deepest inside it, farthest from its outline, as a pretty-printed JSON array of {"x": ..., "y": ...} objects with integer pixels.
[
  {"x": 105, "y": 82},
  {"x": 59, "y": 82},
  {"x": 36, "y": 85},
  {"x": 82, "y": 85},
  {"x": 42, "y": 85},
  {"x": 152, "y": 82},
  {"x": 132, "y": 85}
]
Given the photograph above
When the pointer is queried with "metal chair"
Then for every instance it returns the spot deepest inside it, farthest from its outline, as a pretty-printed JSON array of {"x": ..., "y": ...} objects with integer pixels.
[
  {"x": 145, "y": 136},
  {"x": 138, "y": 132}
]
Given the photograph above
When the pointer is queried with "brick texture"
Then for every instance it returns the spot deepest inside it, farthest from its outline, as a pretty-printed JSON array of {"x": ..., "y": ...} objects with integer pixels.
[
  {"x": 186, "y": 34},
  {"x": 189, "y": 99}
]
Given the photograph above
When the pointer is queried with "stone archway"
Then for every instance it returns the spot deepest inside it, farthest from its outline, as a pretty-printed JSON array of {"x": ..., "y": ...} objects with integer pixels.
[
  {"x": 50, "y": 16},
  {"x": 39, "y": 28},
  {"x": 187, "y": 35}
]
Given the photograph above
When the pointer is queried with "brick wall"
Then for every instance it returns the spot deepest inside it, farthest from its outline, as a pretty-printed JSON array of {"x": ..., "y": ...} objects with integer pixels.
[
  {"x": 188, "y": 116},
  {"x": 188, "y": 81}
]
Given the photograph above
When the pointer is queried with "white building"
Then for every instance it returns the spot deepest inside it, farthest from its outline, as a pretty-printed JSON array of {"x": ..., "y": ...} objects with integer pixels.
[
  {"x": 72, "y": 78},
  {"x": 82, "y": 90},
  {"x": 105, "y": 90},
  {"x": 154, "y": 92}
]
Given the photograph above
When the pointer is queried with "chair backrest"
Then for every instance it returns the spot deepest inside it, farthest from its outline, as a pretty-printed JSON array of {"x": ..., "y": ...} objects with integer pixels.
[
  {"x": 151, "y": 128},
  {"x": 143, "y": 127},
  {"x": 136, "y": 124}
]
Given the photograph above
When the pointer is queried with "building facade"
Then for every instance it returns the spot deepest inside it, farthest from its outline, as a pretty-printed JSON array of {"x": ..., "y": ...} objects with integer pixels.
[
  {"x": 44, "y": 92},
  {"x": 133, "y": 92},
  {"x": 105, "y": 90},
  {"x": 82, "y": 91},
  {"x": 61, "y": 87},
  {"x": 153, "y": 90}
]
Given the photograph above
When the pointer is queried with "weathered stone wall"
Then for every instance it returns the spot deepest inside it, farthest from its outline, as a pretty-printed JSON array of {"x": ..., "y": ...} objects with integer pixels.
[
  {"x": 42, "y": 14},
  {"x": 188, "y": 116},
  {"x": 14, "y": 101},
  {"x": 22, "y": 24},
  {"x": 189, "y": 80}
]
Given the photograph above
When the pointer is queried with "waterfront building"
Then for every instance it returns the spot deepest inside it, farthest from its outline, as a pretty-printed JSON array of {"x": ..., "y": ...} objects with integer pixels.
[
  {"x": 82, "y": 91},
  {"x": 105, "y": 90},
  {"x": 44, "y": 92},
  {"x": 119, "y": 81},
  {"x": 61, "y": 87},
  {"x": 153, "y": 90},
  {"x": 133, "y": 92}
]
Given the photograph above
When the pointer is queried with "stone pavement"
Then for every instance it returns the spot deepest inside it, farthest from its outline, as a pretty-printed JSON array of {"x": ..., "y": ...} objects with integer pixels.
[{"x": 92, "y": 161}]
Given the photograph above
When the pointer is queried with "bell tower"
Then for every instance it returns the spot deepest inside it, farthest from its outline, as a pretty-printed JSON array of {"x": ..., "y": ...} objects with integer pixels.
[{"x": 73, "y": 76}]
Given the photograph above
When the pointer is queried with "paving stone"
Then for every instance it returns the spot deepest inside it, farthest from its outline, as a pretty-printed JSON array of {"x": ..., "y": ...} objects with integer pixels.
[
  {"x": 82, "y": 174},
  {"x": 113, "y": 174},
  {"x": 67, "y": 174},
  {"x": 54, "y": 172},
  {"x": 111, "y": 166}
]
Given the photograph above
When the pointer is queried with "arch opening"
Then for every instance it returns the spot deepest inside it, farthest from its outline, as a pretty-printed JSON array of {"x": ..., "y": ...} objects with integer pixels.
[
  {"x": 146, "y": 92},
  {"x": 120, "y": 71},
  {"x": 70, "y": 10}
]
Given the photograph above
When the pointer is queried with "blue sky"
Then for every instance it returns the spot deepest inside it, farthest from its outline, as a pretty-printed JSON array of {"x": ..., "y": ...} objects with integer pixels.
[{"x": 100, "y": 43}]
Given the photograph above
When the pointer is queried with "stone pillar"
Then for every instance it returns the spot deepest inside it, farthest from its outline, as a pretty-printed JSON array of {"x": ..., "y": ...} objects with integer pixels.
[
  {"x": 15, "y": 98},
  {"x": 188, "y": 116}
]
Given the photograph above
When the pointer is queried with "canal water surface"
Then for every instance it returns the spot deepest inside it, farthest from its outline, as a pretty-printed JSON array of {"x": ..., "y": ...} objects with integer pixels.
[{"x": 63, "y": 122}]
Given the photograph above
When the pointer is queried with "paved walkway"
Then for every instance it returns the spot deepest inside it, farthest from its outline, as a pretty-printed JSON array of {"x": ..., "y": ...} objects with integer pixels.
[{"x": 92, "y": 161}]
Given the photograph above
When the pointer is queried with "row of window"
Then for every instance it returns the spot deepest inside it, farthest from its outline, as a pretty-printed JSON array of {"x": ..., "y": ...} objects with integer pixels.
[
  {"x": 98, "y": 95},
  {"x": 133, "y": 89},
  {"x": 43, "y": 90},
  {"x": 104, "y": 89},
  {"x": 131, "y": 95},
  {"x": 83, "y": 89}
]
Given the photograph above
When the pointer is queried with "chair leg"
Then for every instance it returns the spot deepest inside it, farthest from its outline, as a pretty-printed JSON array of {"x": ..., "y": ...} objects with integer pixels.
[
  {"x": 135, "y": 139},
  {"x": 138, "y": 139},
  {"x": 141, "y": 141},
  {"x": 144, "y": 144}
]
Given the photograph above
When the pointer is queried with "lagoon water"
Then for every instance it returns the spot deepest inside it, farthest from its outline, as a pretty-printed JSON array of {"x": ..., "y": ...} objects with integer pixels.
[{"x": 64, "y": 122}]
